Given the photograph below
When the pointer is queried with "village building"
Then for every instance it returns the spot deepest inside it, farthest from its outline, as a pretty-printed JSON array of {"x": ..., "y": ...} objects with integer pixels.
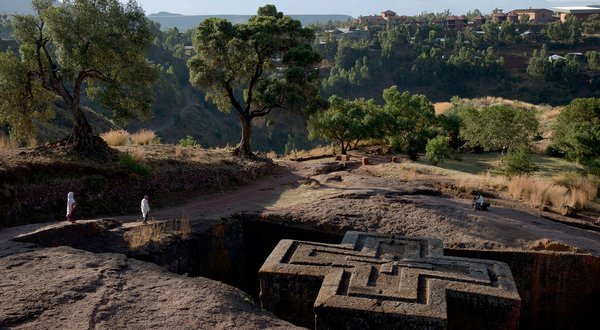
[
  {"x": 350, "y": 33},
  {"x": 457, "y": 23},
  {"x": 580, "y": 12},
  {"x": 499, "y": 17},
  {"x": 539, "y": 15},
  {"x": 189, "y": 50},
  {"x": 512, "y": 17},
  {"x": 478, "y": 21}
]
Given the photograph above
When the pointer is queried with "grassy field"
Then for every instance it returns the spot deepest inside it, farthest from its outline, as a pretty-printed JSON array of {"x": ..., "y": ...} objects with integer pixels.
[{"x": 488, "y": 162}]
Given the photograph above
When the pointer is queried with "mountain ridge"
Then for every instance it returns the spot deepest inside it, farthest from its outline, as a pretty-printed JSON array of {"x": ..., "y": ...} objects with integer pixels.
[{"x": 184, "y": 22}]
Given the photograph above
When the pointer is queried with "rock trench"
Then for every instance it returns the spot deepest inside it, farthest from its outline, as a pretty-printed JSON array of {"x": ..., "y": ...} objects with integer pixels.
[{"x": 558, "y": 290}]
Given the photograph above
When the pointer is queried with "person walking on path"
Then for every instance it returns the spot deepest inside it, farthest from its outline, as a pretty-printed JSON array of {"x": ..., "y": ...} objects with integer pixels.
[
  {"x": 71, "y": 207},
  {"x": 145, "y": 207}
]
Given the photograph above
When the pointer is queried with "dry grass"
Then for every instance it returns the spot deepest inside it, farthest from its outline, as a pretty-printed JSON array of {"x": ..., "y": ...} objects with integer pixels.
[
  {"x": 184, "y": 226},
  {"x": 272, "y": 154},
  {"x": 143, "y": 137},
  {"x": 138, "y": 155},
  {"x": 178, "y": 150},
  {"x": 471, "y": 183},
  {"x": 32, "y": 142},
  {"x": 7, "y": 143},
  {"x": 143, "y": 235},
  {"x": 322, "y": 151},
  {"x": 543, "y": 192},
  {"x": 442, "y": 107},
  {"x": 116, "y": 137}
]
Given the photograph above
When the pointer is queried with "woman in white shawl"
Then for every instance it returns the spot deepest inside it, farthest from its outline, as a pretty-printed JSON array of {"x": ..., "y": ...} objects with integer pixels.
[
  {"x": 145, "y": 208},
  {"x": 71, "y": 207}
]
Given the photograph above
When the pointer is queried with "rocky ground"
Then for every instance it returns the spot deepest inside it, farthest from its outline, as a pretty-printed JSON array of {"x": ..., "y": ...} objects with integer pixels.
[
  {"x": 343, "y": 196},
  {"x": 66, "y": 288},
  {"x": 62, "y": 287}
]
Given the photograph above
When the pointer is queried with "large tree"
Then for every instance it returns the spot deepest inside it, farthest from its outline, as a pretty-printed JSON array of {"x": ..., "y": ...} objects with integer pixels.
[
  {"x": 257, "y": 67},
  {"x": 347, "y": 122},
  {"x": 498, "y": 127},
  {"x": 412, "y": 120},
  {"x": 92, "y": 45},
  {"x": 577, "y": 132}
]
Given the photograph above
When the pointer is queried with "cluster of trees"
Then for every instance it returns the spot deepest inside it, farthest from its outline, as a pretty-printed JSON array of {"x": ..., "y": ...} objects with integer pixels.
[
  {"x": 407, "y": 122},
  {"x": 127, "y": 67},
  {"x": 542, "y": 68},
  {"x": 452, "y": 62}
]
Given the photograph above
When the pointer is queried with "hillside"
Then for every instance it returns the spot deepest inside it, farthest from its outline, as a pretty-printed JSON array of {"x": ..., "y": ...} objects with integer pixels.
[{"x": 185, "y": 22}]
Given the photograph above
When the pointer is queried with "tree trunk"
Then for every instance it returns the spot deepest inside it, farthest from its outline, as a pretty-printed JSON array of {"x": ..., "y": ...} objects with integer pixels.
[
  {"x": 245, "y": 149},
  {"x": 82, "y": 135},
  {"x": 343, "y": 146},
  {"x": 82, "y": 138}
]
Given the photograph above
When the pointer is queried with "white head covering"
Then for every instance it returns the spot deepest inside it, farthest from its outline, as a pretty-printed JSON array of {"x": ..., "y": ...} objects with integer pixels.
[{"x": 70, "y": 202}]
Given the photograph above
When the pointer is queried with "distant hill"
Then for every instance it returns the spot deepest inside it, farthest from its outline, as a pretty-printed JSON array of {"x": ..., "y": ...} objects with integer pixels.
[
  {"x": 185, "y": 22},
  {"x": 17, "y": 6}
]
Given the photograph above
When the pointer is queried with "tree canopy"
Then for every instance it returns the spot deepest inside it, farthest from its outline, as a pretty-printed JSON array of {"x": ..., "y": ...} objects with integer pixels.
[
  {"x": 92, "y": 45},
  {"x": 347, "y": 122},
  {"x": 411, "y": 120},
  {"x": 257, "y": 67},
  {"x": 498, "y": 127},
  {"x": 577, "y": 132}
]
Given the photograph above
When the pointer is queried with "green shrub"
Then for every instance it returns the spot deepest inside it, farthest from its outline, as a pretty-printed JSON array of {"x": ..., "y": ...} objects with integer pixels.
[
  {"x": 128, "y": 162},
  {"x": 437, "y": 149},
  {"x": 188, "y": 141},
  {"x": 518, "y": 162}
]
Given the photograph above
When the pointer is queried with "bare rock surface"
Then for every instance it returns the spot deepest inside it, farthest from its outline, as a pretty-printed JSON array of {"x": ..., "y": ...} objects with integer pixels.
[{"x": 65, "y": 288}]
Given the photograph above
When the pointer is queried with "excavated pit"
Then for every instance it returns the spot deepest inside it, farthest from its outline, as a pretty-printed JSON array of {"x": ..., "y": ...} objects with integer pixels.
[{"x": 557, "y": 290}]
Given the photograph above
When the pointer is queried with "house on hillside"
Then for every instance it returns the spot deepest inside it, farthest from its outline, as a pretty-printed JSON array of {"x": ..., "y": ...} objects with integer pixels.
[
  {"x": 388, "y": 14},
  {"x": 580, "y": 12},
  {"x": 478, "y": 21},
  {"x": 349, "y": 33},
  {"x": 528, "y": 36},
  {"x": 555, "y": 57},
  {"x": 512, "y": 17},
  {"x": 188, "y": 50},
  {"x": 539, "y": 15},
  {"x": 499, "y": 17},
  {"x": 457, "y": 23},
  {"x": 371, "y": 22}
]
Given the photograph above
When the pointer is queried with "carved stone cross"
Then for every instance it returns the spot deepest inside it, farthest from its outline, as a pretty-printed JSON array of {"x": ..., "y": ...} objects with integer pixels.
[{"x": 384, "y": 282}]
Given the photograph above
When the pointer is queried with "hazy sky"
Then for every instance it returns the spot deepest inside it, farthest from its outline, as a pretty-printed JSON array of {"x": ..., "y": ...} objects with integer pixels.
[{"x": 349, "y": 7}]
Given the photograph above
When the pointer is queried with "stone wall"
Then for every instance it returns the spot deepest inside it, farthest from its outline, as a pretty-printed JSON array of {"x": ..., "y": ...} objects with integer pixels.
[{"x": 558, "y": 290}]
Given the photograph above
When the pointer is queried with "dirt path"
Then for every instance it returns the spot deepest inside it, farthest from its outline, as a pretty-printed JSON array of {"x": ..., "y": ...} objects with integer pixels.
[
  {"x": 362, "y": 202},
  {"x": 348, "y": 200},
  {"x": 257, "y": 196}
]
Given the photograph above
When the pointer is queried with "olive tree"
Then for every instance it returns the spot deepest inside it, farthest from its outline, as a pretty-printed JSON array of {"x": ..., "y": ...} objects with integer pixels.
[
  {"x": 498, "y": 127},
  {"x": 96, "y": 46},
  {"x": 254, "y": 68},
  {"x": 577, "y": 132},
  {"x": 412, "y": 120},
  {"x": 346, "y": 122}
]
